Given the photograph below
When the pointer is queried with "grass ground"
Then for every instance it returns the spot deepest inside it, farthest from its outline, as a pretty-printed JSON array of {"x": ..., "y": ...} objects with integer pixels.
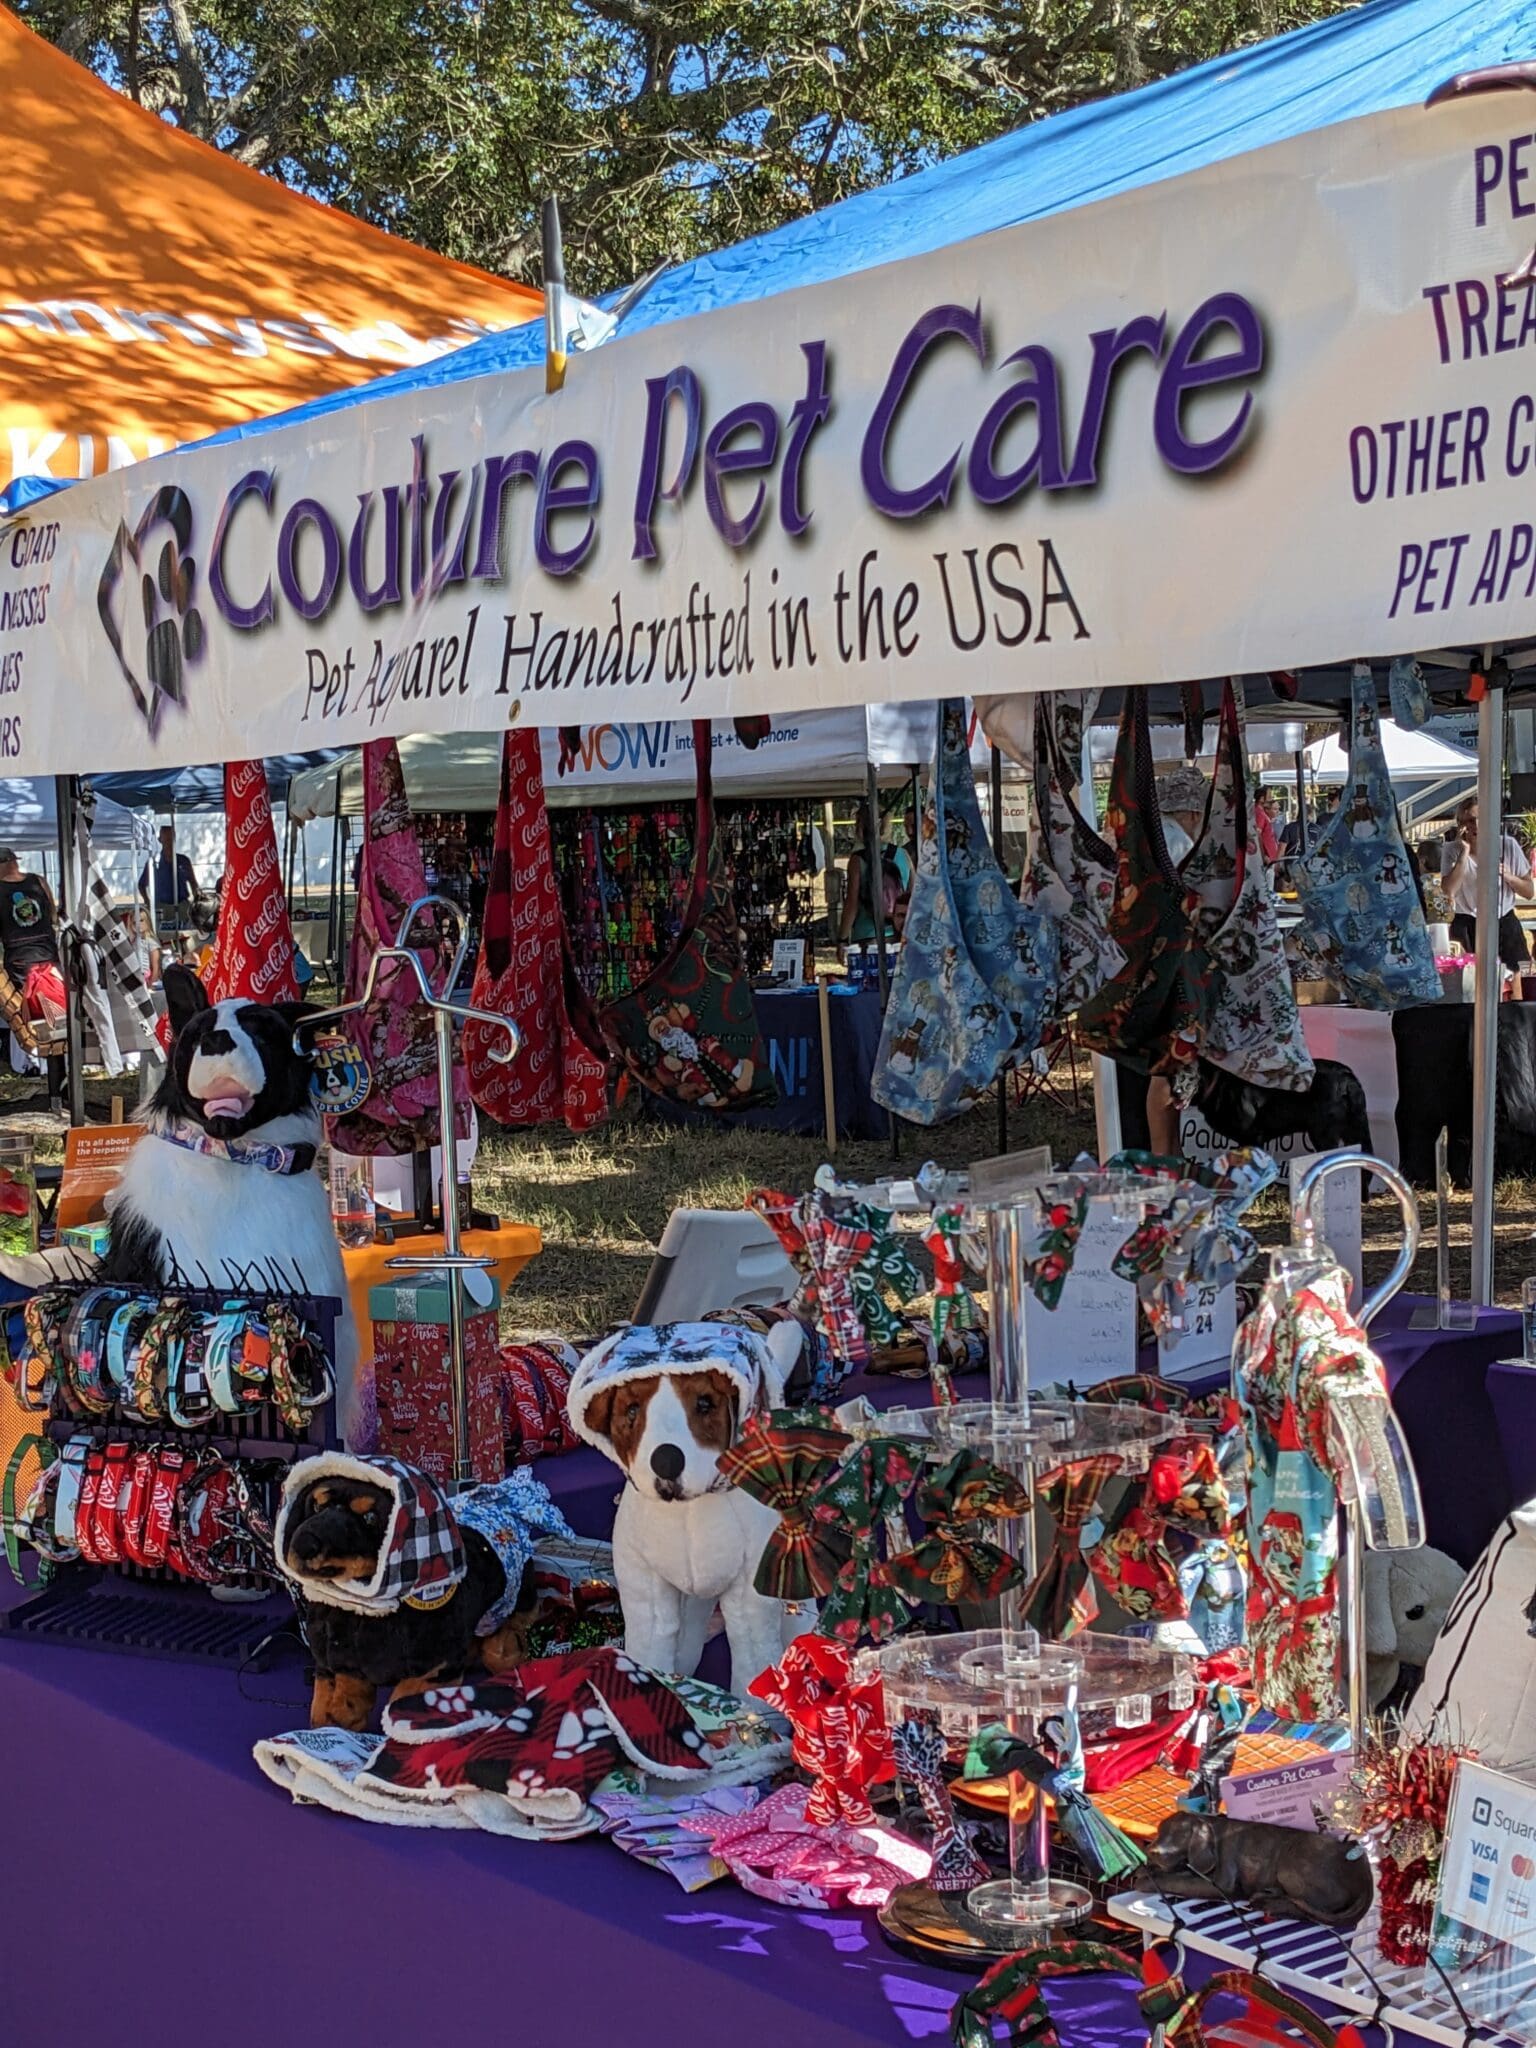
[{"x": 602, "y": 1200}]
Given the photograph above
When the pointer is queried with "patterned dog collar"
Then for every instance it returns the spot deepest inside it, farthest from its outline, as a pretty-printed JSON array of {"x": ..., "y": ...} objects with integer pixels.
[{"x": 284, "y": 1159}]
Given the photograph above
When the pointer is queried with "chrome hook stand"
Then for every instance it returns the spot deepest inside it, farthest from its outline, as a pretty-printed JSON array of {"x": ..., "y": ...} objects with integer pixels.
[{"x": 452, "y": 1259}]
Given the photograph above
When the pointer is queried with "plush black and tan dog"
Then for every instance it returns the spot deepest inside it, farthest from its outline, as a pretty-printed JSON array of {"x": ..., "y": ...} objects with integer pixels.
[{"x": 396, "y": 1585}]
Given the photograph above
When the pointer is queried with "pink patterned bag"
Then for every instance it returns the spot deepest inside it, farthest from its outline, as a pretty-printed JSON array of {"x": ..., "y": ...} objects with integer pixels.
[{"x": 395, "y": 1033}]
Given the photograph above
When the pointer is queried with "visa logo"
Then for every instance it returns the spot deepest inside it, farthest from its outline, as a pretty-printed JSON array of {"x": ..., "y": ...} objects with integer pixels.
[
  {"x": 1481, "y": 1885},
  {"x": 1485, "y": 1852}
]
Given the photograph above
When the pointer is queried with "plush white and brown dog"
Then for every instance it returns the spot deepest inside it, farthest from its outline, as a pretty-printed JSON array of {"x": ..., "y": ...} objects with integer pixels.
[{"x": 663, "y": 1401}]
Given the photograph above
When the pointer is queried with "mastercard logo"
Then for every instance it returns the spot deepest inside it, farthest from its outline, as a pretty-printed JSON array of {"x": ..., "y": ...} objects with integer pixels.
[{"x": 1522, "y": 1866}]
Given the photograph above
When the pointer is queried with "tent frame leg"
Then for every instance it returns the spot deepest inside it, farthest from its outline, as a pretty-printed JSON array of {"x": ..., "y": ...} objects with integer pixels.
[
  {"x": 1485, "y": 1016},
  {"x": 66, "y": 791}
]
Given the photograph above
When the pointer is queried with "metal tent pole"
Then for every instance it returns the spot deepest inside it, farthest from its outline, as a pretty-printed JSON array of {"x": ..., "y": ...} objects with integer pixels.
[
  {"x": 874, "y": 891},
  {"x": 65, "y": 793},
  {"x": 1485, "y": 1019},
  {"x": 997, "y": 849},
  {"x": 1302, "y": 827}
]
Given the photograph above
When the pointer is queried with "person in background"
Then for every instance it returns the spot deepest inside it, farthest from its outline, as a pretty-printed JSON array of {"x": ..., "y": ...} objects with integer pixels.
[
  {"x": 169, "y": 880},
  {"x": 1181, "y": 797},
  {"x": 1290, "y": 837},
  {"x": 895, "y": 887},
  {"x": 29, "y": 940},
  {"x": 149, "y": 940},
  {"x": 1266, "y": 814},
  {"x": 1459, "y": 880}
]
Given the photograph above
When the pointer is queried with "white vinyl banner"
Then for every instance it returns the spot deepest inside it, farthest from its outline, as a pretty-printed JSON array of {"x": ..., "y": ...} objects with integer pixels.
[{"x": 1274, "y": 413}]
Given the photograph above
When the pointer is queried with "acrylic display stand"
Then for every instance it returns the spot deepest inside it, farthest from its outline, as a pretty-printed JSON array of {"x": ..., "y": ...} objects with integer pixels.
[
  {"x": 1444, "y": 1313},
  {"x": 452, "y": 1259},
  {"x": 966, "y": 1682}
]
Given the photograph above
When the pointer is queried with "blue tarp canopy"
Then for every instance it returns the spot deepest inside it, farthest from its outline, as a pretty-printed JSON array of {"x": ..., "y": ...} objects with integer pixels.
[
  {"x": 1388, "y": 54},
  {"x": 198, "y": 789}
]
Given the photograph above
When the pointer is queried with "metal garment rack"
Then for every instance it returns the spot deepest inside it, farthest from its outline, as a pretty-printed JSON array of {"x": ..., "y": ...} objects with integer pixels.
[{"x": 452, "y": 1259}]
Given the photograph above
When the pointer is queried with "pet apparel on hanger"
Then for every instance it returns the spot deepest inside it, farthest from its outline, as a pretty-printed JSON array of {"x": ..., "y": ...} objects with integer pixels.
[
  {"x": 1070, "y": 875},
  {"x": 977, "y": 974},
  {"x": 520, "y": 973},
  {"x": 1286, "y": 1354},
  {"x": 1362, "y": 924},
  {"x": 689, "y": 1030},
  {"x": 1250, "y": 1024},
  {"x": 398, "y": 1040}
]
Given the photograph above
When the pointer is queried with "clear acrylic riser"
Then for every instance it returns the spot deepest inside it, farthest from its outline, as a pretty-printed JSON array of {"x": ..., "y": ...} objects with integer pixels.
[{"x": 966, "y": 1682}]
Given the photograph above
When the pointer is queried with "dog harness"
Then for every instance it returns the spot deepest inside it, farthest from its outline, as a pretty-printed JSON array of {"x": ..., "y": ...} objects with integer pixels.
[{"x": 284, "y": 1159}]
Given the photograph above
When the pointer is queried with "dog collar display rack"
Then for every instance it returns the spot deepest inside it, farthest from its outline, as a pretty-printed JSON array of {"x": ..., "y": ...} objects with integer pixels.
[
  {"x": 151, "y": 1612},
  {"x": 452, "y": 1260},
  {"x": 966, "y": 1682}
]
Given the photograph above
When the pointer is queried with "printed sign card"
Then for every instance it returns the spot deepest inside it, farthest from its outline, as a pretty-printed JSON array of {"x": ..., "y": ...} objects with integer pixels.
[
  {"x": 788, "y": 960},
  {"x": 1090, "y": 1335},
  {"x": 1484, "y": 1935},
  {"x": 1210, "y": 1325},
  {"x": 1287, "y": 1795}
]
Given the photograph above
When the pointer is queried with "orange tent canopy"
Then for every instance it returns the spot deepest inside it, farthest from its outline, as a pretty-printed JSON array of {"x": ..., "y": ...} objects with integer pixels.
[{"x": 153, "y": 290}]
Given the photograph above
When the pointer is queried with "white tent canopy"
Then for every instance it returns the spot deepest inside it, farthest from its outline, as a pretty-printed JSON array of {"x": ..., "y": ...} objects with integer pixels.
[
  {"x": 815, "y": 754},
  {"x": 1411, "y": 757}
]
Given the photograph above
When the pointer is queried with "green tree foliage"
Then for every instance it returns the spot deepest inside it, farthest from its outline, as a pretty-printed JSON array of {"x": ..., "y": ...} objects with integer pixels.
[{"x": 665, "y": 127}]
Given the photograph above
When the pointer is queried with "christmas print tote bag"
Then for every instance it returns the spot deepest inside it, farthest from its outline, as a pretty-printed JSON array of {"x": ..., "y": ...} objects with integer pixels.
[
  {"x": 977, "y": 974},
  {"x": 689, "y": 1031}
]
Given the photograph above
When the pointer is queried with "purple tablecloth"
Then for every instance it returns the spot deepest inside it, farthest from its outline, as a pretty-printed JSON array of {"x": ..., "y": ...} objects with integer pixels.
[
  {"x": 172, "y": 1897},
  {"x": 1512, "y": 1396}
]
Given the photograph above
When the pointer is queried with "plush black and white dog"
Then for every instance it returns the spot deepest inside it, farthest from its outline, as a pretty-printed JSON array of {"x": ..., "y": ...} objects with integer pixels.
[{"x": 221, "y": 1190}]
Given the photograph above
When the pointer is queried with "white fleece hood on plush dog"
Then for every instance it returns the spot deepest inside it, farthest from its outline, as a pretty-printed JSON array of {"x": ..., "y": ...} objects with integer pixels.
[{"x": 643, "y": 1350}]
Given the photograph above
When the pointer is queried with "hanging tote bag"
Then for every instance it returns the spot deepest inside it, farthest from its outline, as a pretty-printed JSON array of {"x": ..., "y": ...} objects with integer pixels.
[
  {"x": 1362, "y": 925},
  {"x": 395, "y": 1033},
  {"x": 1147, "y": 1015},
  {"x": 1070, "y": 876},
  {"x": 520, "y": 972},
  {"x": 254, "y": 956},
  {"x": 977, "y": 974},
  {"x": 689, "y": 1031},
  {"x": 1250, "y": 1024}
]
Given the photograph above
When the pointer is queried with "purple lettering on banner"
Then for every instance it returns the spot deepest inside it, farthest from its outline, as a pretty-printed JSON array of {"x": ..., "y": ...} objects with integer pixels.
[
  {"x": 308, "y": 512},
  {"x": 1363, "y": 464},
  {"x": 387, "y": 591},
  {"x": 1111, "y": 345},
  {"x": 1522, "y": 414},
  {"x": 750, "y": 456},
  {"x": 501, "y": 472},
  {"x": 555, "y": 498},
  {"x": 931, "y": 328},
  {"x": 245, "y": 618},
  {"x": 1436, "y": 295},
  {"x": 660, "y": 391},
  {"x": 1488, "y": 173},
  {"x": 1410, "y": 559},
  {"x": 1184, "y": 373},
  {"x": 809, "y": 413},
  {"x": 455, "y": 570},
  {"x": 1038, "y": 392},
  {"x": 1518, "y": 174}
]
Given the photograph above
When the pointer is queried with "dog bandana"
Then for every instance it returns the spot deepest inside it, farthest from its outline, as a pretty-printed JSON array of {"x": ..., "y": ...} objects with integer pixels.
[
  {"x": 1059, "y": 1228},
  {"x": 1011, "y": 1991},
  {"x": 952, "y": 1564},
  {"x": 253, "y": 949},
  {"x": 776, "y": 1852},
  {"x": 785, "y": 1459},
  {"x": 1062, "y": 1599},
  {"x": 953, "y": 1302},
  {"x": 919, "y": 1750},
  {"x": 864, "y": 1605},
  {"x": 995, "y": 1753},
  {"x": 840, "y": 1736}
]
